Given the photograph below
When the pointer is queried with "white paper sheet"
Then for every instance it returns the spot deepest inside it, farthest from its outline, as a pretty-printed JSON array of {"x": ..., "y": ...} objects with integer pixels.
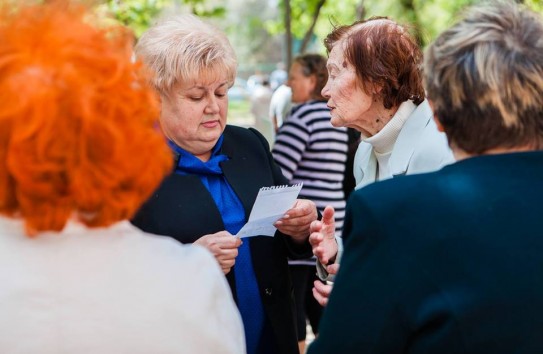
[{"x": 270, "y": 205}]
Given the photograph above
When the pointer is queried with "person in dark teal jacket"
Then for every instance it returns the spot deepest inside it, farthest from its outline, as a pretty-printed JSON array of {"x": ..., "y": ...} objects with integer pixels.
[{"x": 452, "y": 261}]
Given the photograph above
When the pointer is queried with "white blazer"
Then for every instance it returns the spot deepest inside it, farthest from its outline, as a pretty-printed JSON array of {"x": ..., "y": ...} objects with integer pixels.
[
  {"x": 420, "y": 148},
  {"x": 112, "y": 290}
]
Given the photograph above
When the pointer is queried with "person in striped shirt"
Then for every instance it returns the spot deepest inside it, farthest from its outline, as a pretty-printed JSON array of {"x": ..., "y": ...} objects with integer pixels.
[{"x": 310, "y": 150}]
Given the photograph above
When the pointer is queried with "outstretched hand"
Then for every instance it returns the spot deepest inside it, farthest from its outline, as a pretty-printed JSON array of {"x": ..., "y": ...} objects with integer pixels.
[{"x": 322, "y": 238}]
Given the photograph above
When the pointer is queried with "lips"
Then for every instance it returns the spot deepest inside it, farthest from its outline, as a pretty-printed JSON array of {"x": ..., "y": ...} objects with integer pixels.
[{"x": 211, "y": 124}]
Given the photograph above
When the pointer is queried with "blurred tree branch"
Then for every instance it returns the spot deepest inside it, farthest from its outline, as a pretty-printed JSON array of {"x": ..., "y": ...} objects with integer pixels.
[{"x": 309, "y": 33}]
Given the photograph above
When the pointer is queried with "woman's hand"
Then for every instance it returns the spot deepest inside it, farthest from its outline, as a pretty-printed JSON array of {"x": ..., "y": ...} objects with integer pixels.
[
  {"x": 224, "y": 247},
  {"x": 321, "y": 291},
  {"x": 322, "y": 238},
  {"x": 297, "y": 220}
]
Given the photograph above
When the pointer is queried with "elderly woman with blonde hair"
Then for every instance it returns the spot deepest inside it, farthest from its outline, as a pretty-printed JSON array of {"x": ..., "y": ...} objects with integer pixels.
[
  {"x": 219, "y": 170},
  {"x": 79, "y": 153}
]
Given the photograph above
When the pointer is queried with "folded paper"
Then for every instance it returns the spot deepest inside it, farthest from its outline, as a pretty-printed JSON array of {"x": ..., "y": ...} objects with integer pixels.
[{"x": 270, "y": 205}]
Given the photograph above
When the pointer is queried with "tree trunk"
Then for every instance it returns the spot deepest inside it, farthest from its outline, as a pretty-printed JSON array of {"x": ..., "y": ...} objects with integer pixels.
[
  {"x": 309, "y": 32},
  {"x": 409, "y": 6},
  {"x": 288, "y": 34},
  {"x": 361, "y": 10}
]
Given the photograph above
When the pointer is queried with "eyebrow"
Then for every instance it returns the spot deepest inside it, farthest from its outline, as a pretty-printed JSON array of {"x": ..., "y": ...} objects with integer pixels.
[
  {"x": 331, "y": 65},
  {"x": 200, "y": 87}
]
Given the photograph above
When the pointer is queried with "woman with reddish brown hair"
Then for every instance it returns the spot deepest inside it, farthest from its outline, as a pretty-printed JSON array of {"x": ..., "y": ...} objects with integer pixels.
[
  {"x": 79, "y": 153},
  {"x": 375, "y": 86}
]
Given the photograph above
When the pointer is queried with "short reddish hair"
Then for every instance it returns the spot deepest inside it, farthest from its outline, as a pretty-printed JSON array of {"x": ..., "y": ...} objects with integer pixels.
[
  {"x": 78, "y": 132},
  {"x": 383, "y": 53}
]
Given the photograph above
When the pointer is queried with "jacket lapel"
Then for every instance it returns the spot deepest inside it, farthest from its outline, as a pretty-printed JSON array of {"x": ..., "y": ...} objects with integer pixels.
[
  {"x": 240, "y": 174},
  {"x": 365, "y": 165},
  {"x": 407, "y": 140}
]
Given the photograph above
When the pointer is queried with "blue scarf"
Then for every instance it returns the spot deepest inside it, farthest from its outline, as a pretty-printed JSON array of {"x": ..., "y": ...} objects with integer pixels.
[{"x": 233, "y": 216}]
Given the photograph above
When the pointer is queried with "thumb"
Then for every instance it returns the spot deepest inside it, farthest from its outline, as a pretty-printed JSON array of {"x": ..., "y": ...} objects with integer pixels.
[{"x": 328, "y": 215}]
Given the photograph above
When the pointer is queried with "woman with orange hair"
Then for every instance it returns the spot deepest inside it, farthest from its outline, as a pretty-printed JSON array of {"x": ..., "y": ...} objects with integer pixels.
[{"x": 79, "y": 153}]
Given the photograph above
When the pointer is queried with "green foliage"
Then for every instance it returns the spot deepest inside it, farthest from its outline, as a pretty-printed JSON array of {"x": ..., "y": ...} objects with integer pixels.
[
  {"x": 140, "y": 14},
  {"x": 426, "y": 18},
  {"x": 536, "y": 5},
  {"x": 204, "y": 9},
  {"x": 302, "y": 15},
  {"x": 335, "y": 13},
  {"x": 136, "y": 14}
]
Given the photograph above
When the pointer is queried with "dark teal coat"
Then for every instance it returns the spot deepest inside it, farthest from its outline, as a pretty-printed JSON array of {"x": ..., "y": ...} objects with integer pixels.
[{"x": 448, "y": 262}]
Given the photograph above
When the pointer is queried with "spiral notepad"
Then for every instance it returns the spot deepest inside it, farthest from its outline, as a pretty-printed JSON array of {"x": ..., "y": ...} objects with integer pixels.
[{"x": 270, "y": 205}]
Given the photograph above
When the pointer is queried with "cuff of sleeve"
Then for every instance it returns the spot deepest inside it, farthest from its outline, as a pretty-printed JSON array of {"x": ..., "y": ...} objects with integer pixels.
[
  {"x": 321, "y": 269},
  {"x": 323, "y": 274}
]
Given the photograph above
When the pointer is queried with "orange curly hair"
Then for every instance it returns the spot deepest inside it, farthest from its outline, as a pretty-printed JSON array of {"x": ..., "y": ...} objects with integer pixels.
[{"x": 78, "y": 122}]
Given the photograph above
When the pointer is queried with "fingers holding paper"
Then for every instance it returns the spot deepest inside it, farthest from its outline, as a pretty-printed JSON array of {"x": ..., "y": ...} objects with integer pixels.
[
  {"x": 297, "y": 220},
  {"x": 223, "y": 246}
]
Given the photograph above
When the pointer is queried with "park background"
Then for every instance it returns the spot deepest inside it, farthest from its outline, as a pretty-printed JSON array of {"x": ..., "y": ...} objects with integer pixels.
[{"x": 266, "y": 32}]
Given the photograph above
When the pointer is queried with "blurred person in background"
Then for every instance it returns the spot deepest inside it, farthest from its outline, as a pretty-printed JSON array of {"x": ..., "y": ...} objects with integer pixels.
[
  {"x": 279, "y": 76},
  {"x": 260, "y": 107},
  {"x": 450, "y": 262},
  {"x": 79, "y": 153},
  {"x": 280, "y": 106},
  {"x": 219, "y": 170},
  {"x": 375, "y": 86},
  {"x": 311, "y": 151}
]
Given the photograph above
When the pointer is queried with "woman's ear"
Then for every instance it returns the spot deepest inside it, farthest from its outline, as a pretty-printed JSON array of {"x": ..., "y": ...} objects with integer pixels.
[
  {"x": 438, "y": 124},
  {"x": 313, "y": 81},
  {"x": 436, "y": 119}
]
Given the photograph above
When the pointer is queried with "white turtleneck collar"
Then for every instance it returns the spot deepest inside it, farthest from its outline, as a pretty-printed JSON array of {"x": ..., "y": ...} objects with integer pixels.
[{"x": 384, "y": 140}]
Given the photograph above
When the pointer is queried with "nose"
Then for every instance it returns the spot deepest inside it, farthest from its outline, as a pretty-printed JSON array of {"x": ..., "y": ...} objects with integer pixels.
[
  {"x": 325, "y": 92},
  {"x": 289, "y": 82},
  {"x": 212, "y": 106}
]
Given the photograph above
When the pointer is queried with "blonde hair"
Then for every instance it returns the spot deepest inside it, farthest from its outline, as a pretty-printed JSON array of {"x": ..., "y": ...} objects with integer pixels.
[
  {"x": 183, "y": 48},
  {"x": 485, "y": 78},
  {"x": 77, "y": 121}
]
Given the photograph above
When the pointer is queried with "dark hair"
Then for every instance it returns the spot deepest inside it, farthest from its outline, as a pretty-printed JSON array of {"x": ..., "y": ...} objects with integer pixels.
[
  {"x": 383, "y": 54},
  {"x": 484, "y": 76},
  {"x": 314, "y": 64}
]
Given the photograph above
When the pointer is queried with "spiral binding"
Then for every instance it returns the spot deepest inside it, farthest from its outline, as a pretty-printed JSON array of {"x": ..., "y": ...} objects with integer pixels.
[{"x": 280, "y": 187}]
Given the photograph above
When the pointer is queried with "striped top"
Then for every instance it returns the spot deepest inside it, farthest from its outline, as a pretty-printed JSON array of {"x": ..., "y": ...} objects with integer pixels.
[{"x": 310, "y": 150}]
